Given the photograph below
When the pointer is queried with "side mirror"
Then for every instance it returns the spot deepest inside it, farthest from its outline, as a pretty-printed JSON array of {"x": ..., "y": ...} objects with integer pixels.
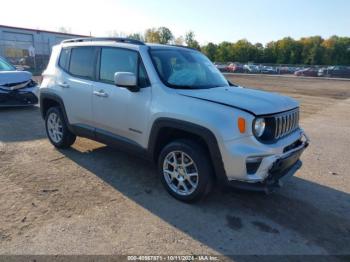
[{"x": 127, "y": 80}]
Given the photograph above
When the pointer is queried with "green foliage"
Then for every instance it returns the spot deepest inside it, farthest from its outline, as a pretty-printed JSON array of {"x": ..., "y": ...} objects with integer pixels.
[
  {"x": 309, "y": 50},
  {"x": 161, "y": 35},
  {"x": 224, "y": 52},
  {"x": 152, "y": 35},
  {"x": 337, "y": 50},
  {"x": 210, "y": 51},
  {"x": 190, "y": 40},
  {"x": 165, "y": 35},
  {"x": 136, "y": 36},
  {"x": 244, "y": 51},
  {"x": 179, "y": 40}
]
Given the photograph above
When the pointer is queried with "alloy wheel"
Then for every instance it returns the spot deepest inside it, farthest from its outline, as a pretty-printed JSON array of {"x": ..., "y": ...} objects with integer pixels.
[
  {"x": 55, "y": 127},
  {"x": 180, "y": 173}
]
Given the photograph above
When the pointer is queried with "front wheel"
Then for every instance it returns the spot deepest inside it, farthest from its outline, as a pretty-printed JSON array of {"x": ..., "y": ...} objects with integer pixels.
[
  {"x": 185, "y": 170},
  {"x": 57, "y": 130}
]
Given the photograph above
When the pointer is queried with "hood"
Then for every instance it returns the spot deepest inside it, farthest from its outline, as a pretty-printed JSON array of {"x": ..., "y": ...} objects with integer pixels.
[
  {"x": 253, "y": 101},
  {"x": 13, "y": 80}
]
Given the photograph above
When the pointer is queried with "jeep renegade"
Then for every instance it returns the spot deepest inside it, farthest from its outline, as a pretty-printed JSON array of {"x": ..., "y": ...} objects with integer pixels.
[{"x": 172, "y": 105}]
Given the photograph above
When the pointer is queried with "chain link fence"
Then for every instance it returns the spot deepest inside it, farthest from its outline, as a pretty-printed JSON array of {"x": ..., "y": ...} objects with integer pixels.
[{"x": 285, "y": 69}]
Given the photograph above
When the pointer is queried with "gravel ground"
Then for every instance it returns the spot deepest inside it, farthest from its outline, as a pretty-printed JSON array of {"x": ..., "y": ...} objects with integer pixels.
[{"x": 92, "y": 199}]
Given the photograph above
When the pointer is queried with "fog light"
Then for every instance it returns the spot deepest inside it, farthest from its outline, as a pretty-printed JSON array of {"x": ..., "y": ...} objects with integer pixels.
[{"x": 253, "y": 164}]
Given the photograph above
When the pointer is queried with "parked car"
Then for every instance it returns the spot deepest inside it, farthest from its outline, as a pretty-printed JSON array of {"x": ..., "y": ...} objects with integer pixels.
[
  {"x": 268, "y": 70},
  {"x": 251, "y": 69},
  {"x": 335, "y": 71},
  {"x": 235, "y": 68},
  {"x": 171, "y": 105},
  {"x": 221, "y": 66},
  {"x": 285, "y": 70},
  {"x": 16, "y": 87},
  {"x": 307, "y": 72}
]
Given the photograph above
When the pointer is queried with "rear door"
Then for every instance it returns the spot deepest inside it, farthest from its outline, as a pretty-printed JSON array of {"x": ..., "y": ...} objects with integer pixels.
[{"x": 75, "y": 83}]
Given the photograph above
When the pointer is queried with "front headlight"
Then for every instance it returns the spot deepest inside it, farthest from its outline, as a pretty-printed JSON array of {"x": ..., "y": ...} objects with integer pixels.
[{"x": 259, "y": 127}]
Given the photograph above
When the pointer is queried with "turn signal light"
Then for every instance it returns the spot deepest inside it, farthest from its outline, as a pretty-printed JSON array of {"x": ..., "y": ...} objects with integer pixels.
[{"x": 241, "y": 125}]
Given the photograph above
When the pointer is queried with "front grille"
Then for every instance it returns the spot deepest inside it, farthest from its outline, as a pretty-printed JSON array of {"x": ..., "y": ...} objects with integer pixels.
[{"x": 286, "y": 123}]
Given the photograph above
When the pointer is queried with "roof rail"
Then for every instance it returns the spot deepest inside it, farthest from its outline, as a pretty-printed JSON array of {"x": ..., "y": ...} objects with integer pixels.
[
  {"x": 183, "y": 46},
  {"x": 113, "y": 39}
]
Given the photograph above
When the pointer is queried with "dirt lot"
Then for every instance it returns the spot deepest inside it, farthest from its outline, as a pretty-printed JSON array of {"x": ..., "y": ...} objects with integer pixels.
[
  {"x": 92, "y": 199},
  {"x": 314, "y": 94}
]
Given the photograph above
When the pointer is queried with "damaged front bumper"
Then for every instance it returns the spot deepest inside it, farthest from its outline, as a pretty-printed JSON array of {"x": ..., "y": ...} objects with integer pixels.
[
  {"x": 26, "y": 96},
  {"x": 280, "y": 168}
]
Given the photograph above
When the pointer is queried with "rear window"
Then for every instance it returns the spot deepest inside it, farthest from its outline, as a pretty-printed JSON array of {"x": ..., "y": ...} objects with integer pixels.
[
  {"x": 82, "y": 62},
  {"x": 64, "y": 59}
]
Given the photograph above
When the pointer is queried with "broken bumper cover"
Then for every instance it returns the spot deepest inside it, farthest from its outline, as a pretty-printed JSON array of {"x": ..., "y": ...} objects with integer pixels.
[
  {"x": 20, "y": 97},
  {"x": 284, "y": 167}
]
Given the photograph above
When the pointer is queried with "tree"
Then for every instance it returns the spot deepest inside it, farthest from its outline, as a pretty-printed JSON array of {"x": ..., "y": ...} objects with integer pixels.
[
  {"x": 136, "y": 36},
  {"x": 116, "y": 33},
  {"x": 190, "y": 40},
  {"x": 259, "y": 52},
  {"x": 179, "y": 40},
  {"x": 65, "y": 30},
  {"x": 165, "y": 35},
  {"x": 244, "y": 51},
  {"x": 269, "y": 53},
  {"x": 210, "y": 51},
  {"x": 288, "y": 51},
  {"x": 312, "y": 51},
  {"x": 161, "y": 35},
  {"x": 336, "y": 50},
  {"x": 152, "y": 35},
  {"x": 308, "y": 50},
  {"x": 224, "y": 52}
]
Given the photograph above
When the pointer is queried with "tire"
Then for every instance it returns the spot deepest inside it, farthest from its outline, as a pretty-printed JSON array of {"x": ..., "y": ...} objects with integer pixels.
[
  {"x": 59, "y": 134},
  {"x": 191, "y": 151}
]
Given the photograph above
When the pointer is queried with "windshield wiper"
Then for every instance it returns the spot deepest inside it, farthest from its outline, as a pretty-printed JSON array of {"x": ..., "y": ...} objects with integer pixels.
[
  {"x": 183, "y": 87},
  {"x": 231, "y": 84}
]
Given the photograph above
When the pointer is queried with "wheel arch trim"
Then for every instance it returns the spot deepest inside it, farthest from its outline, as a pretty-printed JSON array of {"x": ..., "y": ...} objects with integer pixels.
[
  {"x": 54, "y": 97},
  {"x": 195, "y": 129}
]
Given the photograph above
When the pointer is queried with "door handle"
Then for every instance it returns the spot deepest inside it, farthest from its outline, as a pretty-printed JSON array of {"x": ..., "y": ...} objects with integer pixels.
[
  {"x": 100, "y": 93},
  {"x": 63, "y": 84}
]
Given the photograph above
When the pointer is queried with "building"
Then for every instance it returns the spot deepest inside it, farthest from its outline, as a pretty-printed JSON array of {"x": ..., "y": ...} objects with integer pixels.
[{"x": 29, "y": 48}]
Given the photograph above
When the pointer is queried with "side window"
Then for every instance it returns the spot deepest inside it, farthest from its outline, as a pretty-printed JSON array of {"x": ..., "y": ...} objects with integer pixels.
[
  {"x": 117, "y": 60},
  {"x": 64, "y": 59},
  {"x": 82, "y": 62}
]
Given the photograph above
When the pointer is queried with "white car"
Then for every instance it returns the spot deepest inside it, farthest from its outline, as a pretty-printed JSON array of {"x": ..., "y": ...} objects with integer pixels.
[
  {"x": 173, "y": 106},
  {"x": 16, "y": 87},
  {"x": 252, "y": 69}
]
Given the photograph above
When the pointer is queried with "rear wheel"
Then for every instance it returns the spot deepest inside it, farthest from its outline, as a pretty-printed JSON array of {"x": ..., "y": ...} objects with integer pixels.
[
  {"x": 185, "y": 170},
  {"x": 57, "y": 130}
]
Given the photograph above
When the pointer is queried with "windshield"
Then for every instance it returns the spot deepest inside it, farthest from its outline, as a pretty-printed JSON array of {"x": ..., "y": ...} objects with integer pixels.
[
  {"x": 5, "y": 66},
  {"x": 186, "y": 69}
]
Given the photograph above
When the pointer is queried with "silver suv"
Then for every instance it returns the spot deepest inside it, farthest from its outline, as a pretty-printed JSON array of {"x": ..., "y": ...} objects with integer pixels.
[{"x": 172, "y": 105}]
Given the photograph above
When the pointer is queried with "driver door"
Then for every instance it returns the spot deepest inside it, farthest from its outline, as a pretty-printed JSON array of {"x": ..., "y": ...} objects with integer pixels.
[{"x": 115, "y": 108}]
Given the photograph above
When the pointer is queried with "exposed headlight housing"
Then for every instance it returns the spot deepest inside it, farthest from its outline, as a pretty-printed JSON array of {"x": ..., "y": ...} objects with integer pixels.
[{"x": 259, "y": 126}]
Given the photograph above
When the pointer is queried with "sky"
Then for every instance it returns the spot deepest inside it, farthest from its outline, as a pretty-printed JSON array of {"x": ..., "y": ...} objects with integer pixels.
[{"x": 211, "y": 20}]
